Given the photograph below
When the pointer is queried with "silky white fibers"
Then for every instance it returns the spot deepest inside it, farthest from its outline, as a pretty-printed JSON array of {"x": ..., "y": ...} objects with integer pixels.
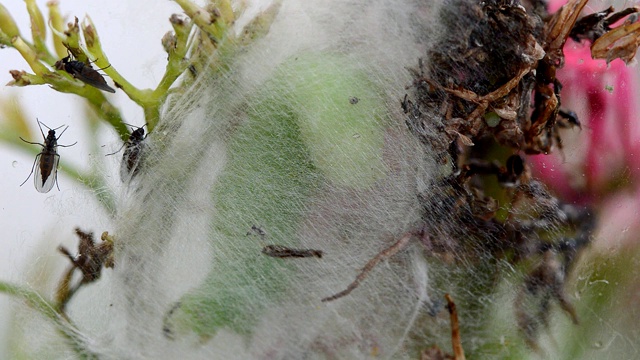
[{"x": 298, "y": 141}]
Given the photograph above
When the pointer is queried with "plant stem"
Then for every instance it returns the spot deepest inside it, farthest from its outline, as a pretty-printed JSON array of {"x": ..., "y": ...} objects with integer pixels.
[{"x": 47, "y": 309}]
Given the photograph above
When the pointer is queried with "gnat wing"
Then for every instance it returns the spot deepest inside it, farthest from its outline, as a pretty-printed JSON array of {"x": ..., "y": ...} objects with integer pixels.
[
  {"x": 125, "y": 176},
  {"x": 127, "y": 167},
  {"x": 46, "y": 171},
  {"x": 91, "y": 77},
  {"x": 130, "y": 161}
]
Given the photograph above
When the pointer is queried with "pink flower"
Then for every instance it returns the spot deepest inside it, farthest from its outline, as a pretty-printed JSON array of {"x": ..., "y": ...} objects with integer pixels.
[
  {"x": 599, "y": 165},
  {"x": 603, "y": 97}
]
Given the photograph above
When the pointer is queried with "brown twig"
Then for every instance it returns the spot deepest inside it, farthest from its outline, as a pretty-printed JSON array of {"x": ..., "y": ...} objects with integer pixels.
[
  {"x": 90, "y": 260},
  {"x": 280, "y": 251},
  {"x": 384, "y": 254},
  {"x": 456, "y": 341}
]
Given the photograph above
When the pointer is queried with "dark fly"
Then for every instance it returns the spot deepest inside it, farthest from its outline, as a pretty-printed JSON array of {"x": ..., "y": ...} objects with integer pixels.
[
  {"x": 47, "y": 160},
  {"x": 132, "y": 152},
  {"x": 83, "y": 72},
  {"x": 568, "y": 119}
]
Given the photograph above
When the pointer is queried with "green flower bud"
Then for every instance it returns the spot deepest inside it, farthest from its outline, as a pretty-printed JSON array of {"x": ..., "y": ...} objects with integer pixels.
[
  {"x": 169, "y": 42},
  {"x": 7, "y": 25},
  {"x": 57, "y": 23},
  {"x": 38, "y": 26}
]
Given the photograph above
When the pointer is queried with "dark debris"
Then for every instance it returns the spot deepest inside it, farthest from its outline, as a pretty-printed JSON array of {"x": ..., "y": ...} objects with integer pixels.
[
  {"x": 488, "y": 86},
  {"x": 90, "y": 260},
  {"x": 280, "y": 251}
]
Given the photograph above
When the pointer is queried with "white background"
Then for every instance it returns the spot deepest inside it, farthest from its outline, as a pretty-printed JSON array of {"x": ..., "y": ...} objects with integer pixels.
[{"x": 34, "y": 224}]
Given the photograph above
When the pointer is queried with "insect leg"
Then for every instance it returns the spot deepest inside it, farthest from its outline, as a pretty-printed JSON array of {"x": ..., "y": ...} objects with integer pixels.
[
  {"x": 55, "y": 179},
  {"x": 117, "y": 151},
  {"x": 32, "y": 143},
  {"x": 31, "y": 173}
]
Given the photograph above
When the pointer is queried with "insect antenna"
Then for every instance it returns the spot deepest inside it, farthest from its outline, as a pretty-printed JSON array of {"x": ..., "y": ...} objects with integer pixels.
[
  {"x": 134, "y": 126},
  {"x": 45, "y": 125},
  {"x": 89, "y": 62},
  {"x": 106, "y": 67},
  {"x": 125, "y": 143},
  {"x": 59, "y": 136}
]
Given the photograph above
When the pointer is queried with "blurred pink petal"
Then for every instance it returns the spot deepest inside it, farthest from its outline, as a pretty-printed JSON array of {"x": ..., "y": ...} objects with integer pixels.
[
  {"x": 599, "y": 165},
  {"x": 604, "y": 98},
  {"x": 619, "y": 224}
]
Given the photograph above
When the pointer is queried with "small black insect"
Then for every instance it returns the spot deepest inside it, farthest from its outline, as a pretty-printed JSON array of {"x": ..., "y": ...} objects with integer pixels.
[
  {"x": 257, "y": 230},
  {"x": 132, "y": 152},
  {"x": 47, "y": 160},
  {"x": 84, "y": 72},
  {"x": 568, "y": 119}
]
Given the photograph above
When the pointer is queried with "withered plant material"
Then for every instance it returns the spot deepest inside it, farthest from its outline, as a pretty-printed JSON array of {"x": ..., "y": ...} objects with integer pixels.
[
  {"x": 593, "y": 26},
  {"x": 621, "y": 42},
  {"x": 280, "y": 251},
  {"x": 606, "y": 42},
  {"x": 481, "y": 75},
  {"x": 558, "y": 28},
  {"x": 543, "y": 284},
  {"x": 488, "y": 86},
  {"x": 383, "y": 255},
  {"x": 456, "y": 341},
  {"x": 90, "y": 260},
  {"x": 434, "y": 352}
]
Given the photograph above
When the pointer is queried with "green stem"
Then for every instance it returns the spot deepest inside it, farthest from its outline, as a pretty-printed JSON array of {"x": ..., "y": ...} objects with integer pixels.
[
  {"x": 57, "y": 23},
  {"x": 29, "y": 55},
  {"x": 47, "y": 309},
  {"x": 38, "y": 31},
  {"x": 212, "y": 23},
  {"x": 32, "y": 298},
  {"x": 108, "y": 112},
  {"x": 94, "y": 47},
  {"x": 152, "y": 116},
  {"x": 8, "y": 27},
  {"x": 149, "y": 100},
  {"x": 176, "y": 64},
  {"x": 175, "y": 67}
]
